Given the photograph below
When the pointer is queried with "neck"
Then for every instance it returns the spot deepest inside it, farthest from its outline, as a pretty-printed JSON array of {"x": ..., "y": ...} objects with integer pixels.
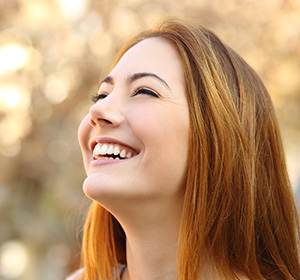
[{"x": 151, "y": 243}]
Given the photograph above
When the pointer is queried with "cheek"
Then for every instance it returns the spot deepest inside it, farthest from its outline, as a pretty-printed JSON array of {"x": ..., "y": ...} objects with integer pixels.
[
  {"x": 162, "y": 128},
  {"x": 84, "y": 131},
  {"x": 174, "y": 143},
  {"x": 165, "y": 136}
]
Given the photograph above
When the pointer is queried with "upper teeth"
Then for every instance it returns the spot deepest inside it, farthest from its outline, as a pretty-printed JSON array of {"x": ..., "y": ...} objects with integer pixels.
[{"x": 111, "y": 149}]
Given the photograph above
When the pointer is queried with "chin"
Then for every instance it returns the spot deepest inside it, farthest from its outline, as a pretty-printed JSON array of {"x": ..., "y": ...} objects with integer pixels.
[
  {"x": 96, "y": 187},
  {"x": 110, "y": 195}
]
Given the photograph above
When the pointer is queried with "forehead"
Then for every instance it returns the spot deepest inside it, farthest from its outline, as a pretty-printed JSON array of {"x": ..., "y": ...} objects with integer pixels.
[{"x": 155, "y": 55}]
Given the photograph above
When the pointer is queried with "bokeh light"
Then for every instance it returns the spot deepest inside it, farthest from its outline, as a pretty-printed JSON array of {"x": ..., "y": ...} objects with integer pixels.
[
  {"x": 73, "y": 9},
  {"x": 12, "y": 57},
  {"x": 56, "y": 90},
  {"x": 14, "y": 259},
  {"x": 13, "y": 97}
]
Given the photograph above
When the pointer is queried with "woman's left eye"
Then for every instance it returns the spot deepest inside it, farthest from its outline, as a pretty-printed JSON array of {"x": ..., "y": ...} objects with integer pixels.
[{"x": 146, "y": 91}]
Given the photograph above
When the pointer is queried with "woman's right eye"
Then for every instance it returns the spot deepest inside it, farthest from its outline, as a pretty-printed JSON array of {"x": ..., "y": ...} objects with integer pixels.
[{"x": 99, "y": 96}]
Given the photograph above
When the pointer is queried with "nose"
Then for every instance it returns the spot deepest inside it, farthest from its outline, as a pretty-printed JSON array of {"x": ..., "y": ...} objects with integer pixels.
[{"x": 106, "y": 112}]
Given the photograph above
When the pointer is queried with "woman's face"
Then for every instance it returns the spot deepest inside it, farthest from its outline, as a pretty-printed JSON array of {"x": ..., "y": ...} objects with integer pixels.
[{"x": 135, "y": 138}]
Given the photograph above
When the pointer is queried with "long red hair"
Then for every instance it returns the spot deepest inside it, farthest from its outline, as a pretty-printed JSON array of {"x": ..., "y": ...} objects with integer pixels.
[{"x": 238, "y": 209}]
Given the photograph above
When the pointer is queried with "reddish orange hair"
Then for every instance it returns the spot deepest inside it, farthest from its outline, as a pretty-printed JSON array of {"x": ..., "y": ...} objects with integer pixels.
[{"x": 238, "y": 210}]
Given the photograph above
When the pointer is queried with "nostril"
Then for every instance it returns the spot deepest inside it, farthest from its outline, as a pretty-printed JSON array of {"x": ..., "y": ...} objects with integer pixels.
[
  {"x": 92, "y": 122},
  {"x": 107, "y": 121},
  {"x": 99, "y": 120}
]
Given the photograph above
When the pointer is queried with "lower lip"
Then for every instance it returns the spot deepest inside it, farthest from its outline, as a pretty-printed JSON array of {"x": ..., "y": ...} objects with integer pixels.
[{"x": 99, "y": 161}]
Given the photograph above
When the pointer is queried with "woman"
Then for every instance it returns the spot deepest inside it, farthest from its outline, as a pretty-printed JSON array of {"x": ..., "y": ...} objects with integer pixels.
[{"x": 185, "y": 166}]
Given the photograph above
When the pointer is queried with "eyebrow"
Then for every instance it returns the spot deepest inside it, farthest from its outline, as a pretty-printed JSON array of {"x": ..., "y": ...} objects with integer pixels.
[{"x": 135, "y": 77}]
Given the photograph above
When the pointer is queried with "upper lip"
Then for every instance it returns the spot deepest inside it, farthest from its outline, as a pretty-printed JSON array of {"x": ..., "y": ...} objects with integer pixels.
[{"x": 97, "y": 139}]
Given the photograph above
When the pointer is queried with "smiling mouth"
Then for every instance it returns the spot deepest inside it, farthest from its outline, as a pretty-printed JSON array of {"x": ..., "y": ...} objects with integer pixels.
[{"x": 112, "y": 151}]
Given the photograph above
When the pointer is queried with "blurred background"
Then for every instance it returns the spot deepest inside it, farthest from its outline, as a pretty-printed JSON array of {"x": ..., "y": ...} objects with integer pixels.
[{"x": 52, "y": 53}]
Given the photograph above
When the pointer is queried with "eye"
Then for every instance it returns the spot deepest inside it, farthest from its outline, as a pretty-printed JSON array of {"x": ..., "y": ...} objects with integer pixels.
[
  {"x": 147, "y": 91},
  {"x": 99, "y": 96}
]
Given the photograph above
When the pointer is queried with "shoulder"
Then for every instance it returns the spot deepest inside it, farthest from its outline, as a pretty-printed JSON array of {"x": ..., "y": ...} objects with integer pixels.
[{"x": 76, "y": 275}]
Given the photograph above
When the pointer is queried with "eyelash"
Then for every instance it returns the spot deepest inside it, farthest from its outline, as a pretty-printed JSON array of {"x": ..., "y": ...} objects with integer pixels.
[
  {"x": 144, "y": 90},
  {"x": 98, "y": 96},
  {"x": 141, "y": 90}
]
